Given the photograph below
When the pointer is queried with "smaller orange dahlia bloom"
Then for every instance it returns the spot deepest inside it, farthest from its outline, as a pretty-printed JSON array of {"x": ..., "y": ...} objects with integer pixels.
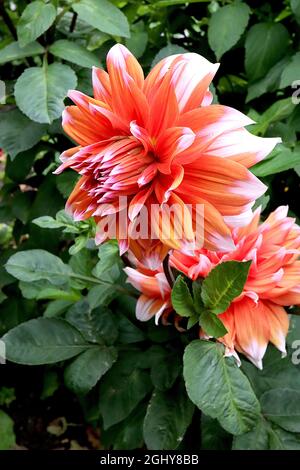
[
  {"x": 159, "y": 141},
  {"x": 257, "y": 316}
]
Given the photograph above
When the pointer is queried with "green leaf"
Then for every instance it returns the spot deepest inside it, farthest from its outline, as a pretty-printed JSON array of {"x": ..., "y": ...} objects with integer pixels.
[
  {"x": 101, "y": 295},
  {"x": 15, "y": 310},
  {"x": 83, "y": 261},
  {"x": 170, "y": 49},
  {"x": 222, "y": 36},
  {"x": 192, "y": 321},
  {"x": 35, "y": 20},
  {"x": 212, "y": 325},
  {"x": 73, "y": 52},
  {"x": 57, "y": 294},
  {"x": 43, "y": 341},
  {"x": 262, "y": 202},
  {"x": 21, "y": 205},
  {"x": 267, "y": 436},
  {"x": 165, "y": 370},
  {"x": 104, "y": 16},
  {"x": 268, "y": 83},
  {"x": 33, "y": 265},
  {"x": 218, "y": 387},
  {"x": 7, "y": 435},
  {"x": 181, "y": 298},
  {"x": 44, "y": 290},
  {"x": 295, "y": 6},
  {"x": 138, "y": 40},
  {"x": 294, "y": 336},
  {"x": 276, "y": 371},
  {"x": 291, "y": 72},
  {"x": 85, "y": 371},
  {"x": 109, "y": 256},
  {"x": 256, "y": 439},
  {"x": 18, "y": 168},
  {"x": 2, "y": 296},
  {"x": 281, "y": 159},
  {"x": 67, "y": 220},
  {"x": 96, "y": 325},
  {"x": 121, "y": 392},
  {"x": 14, "y": 51},
  {"x": 266, "y": 44},
  {"x": 18, "y": 133},
  {"x": 51, "y": 383},
  {"x": 278, "y": 111},
  {"x": 282, "y": 406},
  {"x": 168, "y": 416},
  {"x": 198, "y": 304},
  {"x": 45, "y": 221},
  {"x": 130, "y": 432},
  {"x": 109, "y": 267},
  {"x": 50, "y": 84},
  {"x": 213, "y": 436},
  {"x": 279, "y": 439},
  {"x": 79, "y": 244},
  {"x": 65, "y": 182},
  {"x": 167, "y": 3},
  {"x": 47, "y": 191},
  {"x": 56, "y": 308},
  {"x": 128, "y": 332},
  {"x": 7, "y": 396},
  {"x": 223, "y": 284}
]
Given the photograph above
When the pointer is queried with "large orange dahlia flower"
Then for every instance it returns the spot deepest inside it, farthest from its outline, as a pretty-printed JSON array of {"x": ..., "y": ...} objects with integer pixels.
[
  {"x": 160, "y": 141},
  {"x": 257, "y": 316}
]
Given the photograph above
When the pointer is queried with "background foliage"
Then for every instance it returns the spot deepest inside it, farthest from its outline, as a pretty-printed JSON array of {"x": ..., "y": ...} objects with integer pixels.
[{"x": 94, "y": 366}]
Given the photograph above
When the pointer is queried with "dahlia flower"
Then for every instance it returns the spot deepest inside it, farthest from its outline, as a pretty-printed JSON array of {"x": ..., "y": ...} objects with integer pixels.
[
  {"x": 160, "y": 141},
  {"x": 257, "y": 316}
]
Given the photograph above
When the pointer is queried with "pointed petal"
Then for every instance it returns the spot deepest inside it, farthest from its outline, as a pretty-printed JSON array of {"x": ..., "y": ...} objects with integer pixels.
[
  {"x": 229, "y": 186},
  {"x": 211, "y": 121},
  {"x": 150, "y": 253},
  {"x": 80, "y": 204},
  {"x": 119, "y": 59},
  {"x": 163, "y": 108},
  {"x": 148, "y": 307},
  {"x": 138, "y": 202},
  {"x": 252, "y": 329},
  {"x": 279, "y": 325},
  {"x": 82, "y": 130},
  {"x": 242, "y": 147},
  {"x": 191, "y": 76},
  {"x": 148, "y": 285},
  {"x": 126, "y": 79},
  {"x": 101, "y": 85}
]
